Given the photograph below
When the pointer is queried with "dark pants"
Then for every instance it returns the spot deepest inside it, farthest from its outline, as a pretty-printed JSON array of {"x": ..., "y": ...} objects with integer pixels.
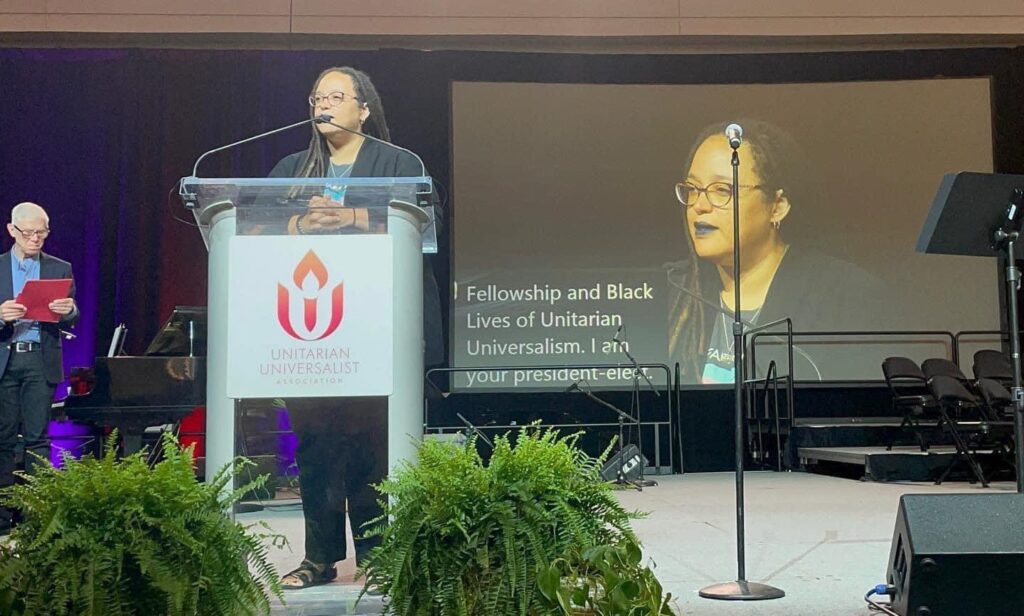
[
  {"x": 343, "y": 448},
  {"x": 25, "y": 400}
]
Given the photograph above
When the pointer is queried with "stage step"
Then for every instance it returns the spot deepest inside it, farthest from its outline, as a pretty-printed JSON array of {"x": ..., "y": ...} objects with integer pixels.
[
  {"x": 854, "y": 432},
  {"x": 328, "y": 600},
  {"x": 828, "y": 432},
  {"x": 837, "y": 445},
  {"x": 901, "y": 463}
]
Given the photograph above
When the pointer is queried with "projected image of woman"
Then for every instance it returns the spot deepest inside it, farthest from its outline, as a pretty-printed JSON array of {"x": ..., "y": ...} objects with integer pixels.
[{"x": 777, "y": 279}]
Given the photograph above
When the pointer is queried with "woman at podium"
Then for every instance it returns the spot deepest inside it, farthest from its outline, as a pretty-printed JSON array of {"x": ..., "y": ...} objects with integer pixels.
[
  {"x": 777, "y": 279},
  {"x": 342, "y": 445}
]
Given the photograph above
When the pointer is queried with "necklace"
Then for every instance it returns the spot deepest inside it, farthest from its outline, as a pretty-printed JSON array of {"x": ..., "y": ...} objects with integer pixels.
[{"x": 344, "y": 173}]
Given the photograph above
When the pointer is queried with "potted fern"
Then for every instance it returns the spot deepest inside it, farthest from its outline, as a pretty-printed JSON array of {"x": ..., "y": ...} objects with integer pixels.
[
  {"x": 462, "y": 537},
  {"x": 116, "y": 537}
]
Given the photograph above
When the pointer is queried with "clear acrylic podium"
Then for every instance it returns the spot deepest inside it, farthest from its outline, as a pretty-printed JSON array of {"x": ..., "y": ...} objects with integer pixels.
[{"x": 313, "y": 316}]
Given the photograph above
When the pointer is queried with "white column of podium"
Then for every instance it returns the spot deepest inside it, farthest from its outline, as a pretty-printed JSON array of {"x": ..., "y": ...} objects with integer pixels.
[
  {"x": 220, "y": 409},
  {"x": 405, "y": 405}
]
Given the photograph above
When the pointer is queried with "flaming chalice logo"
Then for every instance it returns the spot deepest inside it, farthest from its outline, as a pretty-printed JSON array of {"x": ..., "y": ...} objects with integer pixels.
[{"x": 310, "y": 298}]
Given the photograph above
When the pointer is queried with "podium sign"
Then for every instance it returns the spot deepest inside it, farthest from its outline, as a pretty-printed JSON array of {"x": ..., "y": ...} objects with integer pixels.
[{"x": 310, "y": 316}]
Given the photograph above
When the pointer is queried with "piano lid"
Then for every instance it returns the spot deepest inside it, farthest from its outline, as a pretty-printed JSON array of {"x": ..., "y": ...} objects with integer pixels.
[
  {"x": 144, "y": 382},
  {"x": 183, "y": 334}
]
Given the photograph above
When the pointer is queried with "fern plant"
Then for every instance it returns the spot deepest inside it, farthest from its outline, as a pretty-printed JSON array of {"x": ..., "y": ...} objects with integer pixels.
[
  {"x": 463, "y": 538},
  {"x": 115, "y": 537}
]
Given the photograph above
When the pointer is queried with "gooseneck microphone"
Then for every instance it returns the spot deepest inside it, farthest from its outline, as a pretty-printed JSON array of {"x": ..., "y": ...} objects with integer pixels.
[
  {"x": 734, "y": 133},
  {"x": 328, "y": 119},
  {"x": 318, "y": 120}
]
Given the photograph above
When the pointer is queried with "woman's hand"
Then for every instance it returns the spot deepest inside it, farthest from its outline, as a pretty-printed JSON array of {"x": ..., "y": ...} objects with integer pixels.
[{"x": 324, "y": 215}]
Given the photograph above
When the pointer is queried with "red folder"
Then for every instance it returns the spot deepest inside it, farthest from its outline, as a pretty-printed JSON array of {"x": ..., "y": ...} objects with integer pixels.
[{"x": 37, "y": 295}]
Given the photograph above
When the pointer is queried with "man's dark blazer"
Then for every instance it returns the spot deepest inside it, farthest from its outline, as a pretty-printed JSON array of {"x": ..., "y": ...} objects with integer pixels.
[{"x": 49, "y": 333}]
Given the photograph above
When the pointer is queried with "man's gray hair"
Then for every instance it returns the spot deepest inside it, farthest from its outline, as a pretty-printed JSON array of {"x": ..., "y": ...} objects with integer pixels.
[{"x": 28, "y": 210}]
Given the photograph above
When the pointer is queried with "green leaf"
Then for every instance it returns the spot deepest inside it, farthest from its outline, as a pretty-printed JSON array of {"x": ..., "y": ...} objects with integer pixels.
[{"x": 549, "y": 579}]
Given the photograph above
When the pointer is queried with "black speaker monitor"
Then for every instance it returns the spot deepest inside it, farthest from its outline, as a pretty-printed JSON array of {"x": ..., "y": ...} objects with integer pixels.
[
  {"x": 958, "y": 555},
  {"x": 631, "y": 463}
]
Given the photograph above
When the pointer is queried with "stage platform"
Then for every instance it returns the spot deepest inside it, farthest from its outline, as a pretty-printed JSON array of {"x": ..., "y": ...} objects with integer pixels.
[
  {"x": 859, "y": 448},
  {"x": 901, "y": 463},
  {"x": 824, "y": 540}
]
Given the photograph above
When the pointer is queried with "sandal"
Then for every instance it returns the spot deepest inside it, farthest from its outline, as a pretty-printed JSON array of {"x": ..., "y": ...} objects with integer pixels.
[{"x": 309, "y": 574}]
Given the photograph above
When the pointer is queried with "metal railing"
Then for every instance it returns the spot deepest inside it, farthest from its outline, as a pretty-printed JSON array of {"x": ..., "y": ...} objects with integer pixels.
[
  {"x": 954, "y": 346},
  {"x": 655, "y": 425},
  {"x": 755, "y": 338},
  {"x": 772, "y": 412},
  {"x": 1004, "y": 338}
]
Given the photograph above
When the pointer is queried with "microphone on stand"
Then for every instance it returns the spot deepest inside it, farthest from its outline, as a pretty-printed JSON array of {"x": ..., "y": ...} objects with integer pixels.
[
  {"x": 615, "y": 338},
  {"x": 734, "y": 133},
  {"x": 636, "y": 365},
  {"x": 195, "y": 167},
  {"x": 479, "y": 433},
  {"x": 189, "y": 198},
  {"x": 574, "y": 387}
]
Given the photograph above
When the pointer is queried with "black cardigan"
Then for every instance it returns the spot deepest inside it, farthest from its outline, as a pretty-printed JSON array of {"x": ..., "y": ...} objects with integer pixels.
[{"x": 820, "y": 293}]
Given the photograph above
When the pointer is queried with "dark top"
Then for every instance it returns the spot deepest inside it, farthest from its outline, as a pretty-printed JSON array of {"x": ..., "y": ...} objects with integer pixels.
[
  {"x": 819, "y": 292},
  {"x": 376, "y": 160},
  {"x": 50, "y": 267}
]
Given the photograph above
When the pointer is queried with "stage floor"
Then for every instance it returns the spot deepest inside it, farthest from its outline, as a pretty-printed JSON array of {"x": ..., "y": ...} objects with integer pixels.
[{"x": 823, "y": 540}]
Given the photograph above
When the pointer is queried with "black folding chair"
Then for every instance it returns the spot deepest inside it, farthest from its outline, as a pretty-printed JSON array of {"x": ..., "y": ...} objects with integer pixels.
[
  {"x": 910, "y": 396},
  {"x": 997, "y": 398},
  {"x": 989, "y": 364},
  {"x": 944, "y": 367},
  {"x": 954, "y": 402},
  {"x": 1000, "y": 408}
]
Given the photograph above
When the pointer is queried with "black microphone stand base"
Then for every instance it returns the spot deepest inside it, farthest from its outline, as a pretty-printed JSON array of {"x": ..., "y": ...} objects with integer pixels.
[
  {"x": 628, "y": 483},
  {"x": 741, "y": 590},
  {"x": 636, "y": 484}
]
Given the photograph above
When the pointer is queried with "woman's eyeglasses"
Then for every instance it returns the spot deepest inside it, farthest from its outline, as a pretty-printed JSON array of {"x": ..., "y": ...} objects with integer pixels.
[
  {"x": 719, "y": 194},
  {"x": 333, "y": 98}
]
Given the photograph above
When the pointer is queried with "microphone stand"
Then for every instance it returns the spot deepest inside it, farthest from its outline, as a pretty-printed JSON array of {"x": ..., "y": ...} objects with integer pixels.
[
  {"x": 1005, "y": 237},
  {"x": 477, "y": 431},
  {"x": 189, "y": 199},
  {"x": 635, "y": 404},
  {"x": 620, "y": 477},
  {"x": 741, "y": 589},
  {"x": 195, "y": 167}
]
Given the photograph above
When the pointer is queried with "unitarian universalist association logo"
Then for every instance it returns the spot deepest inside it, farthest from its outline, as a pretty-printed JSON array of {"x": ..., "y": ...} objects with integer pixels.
[{"x": 309, "y": 300}]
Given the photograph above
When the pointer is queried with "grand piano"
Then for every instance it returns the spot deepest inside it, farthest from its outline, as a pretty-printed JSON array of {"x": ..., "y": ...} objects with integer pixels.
[{"x": 133, "y": 393}]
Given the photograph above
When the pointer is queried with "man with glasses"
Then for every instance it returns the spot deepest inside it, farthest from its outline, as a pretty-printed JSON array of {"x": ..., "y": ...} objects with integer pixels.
[{"x": 30, "y": 351}]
